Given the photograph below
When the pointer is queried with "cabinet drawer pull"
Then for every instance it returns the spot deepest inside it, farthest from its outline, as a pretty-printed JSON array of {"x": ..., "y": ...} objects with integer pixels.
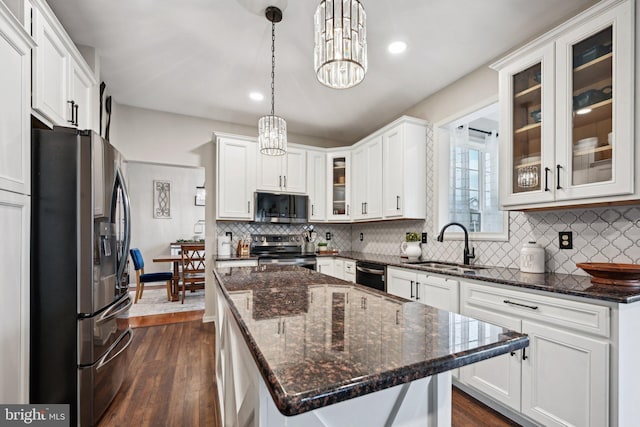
[
  {"x": 558, "y": 187},
  {"x": 532, "y": 307},
  {"x": 417, "y": 291},
  {"x": 397, "y": 203},
  {"x": 411, "y": 289},
  {"x": 546, "y": 179}
]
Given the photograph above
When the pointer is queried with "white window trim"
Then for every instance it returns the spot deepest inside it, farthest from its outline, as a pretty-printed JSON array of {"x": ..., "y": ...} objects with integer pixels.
[{"x": 441, "y": 186}]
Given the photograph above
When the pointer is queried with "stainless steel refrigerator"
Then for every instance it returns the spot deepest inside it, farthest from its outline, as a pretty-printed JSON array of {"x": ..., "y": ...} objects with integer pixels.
[{"x": 80, "y": 228}]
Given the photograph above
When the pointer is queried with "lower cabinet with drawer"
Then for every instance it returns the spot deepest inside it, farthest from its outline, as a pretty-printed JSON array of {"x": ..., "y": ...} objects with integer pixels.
[
  {"x": 426, "y": 288},
  {"x": 562, "y": 378}
]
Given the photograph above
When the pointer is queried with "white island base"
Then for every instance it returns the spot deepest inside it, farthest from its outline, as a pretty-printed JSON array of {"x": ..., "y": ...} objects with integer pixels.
[{"x": 245, "y": 400}]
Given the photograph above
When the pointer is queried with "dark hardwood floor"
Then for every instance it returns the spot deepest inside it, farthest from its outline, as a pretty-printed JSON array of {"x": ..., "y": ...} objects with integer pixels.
[{"x": 171, "y": 380}]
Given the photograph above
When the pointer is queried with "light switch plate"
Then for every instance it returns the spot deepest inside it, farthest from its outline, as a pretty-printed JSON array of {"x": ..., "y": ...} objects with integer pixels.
[
  {"x": 424, "y": 237},
  {"x": 328, "y": 235}
]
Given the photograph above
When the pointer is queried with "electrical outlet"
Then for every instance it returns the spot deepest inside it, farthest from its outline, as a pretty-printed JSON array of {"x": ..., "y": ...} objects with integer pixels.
[
  {"x": 361, "y": 237},
  {"x": 566, "y": 239},
  {"x": 328, "y": 235},
  {"x": 230, "y": 234},
  {"x": 424, "y": 237}
]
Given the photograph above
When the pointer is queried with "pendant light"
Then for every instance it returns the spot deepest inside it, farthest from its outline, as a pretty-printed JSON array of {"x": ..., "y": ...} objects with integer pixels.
[
  {"x": 340, "y": 54},
  {"x": 272, "y": 130}
]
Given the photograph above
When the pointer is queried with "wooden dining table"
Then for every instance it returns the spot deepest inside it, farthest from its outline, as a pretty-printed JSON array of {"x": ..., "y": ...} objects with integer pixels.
[{"x": 176, "y": 260}]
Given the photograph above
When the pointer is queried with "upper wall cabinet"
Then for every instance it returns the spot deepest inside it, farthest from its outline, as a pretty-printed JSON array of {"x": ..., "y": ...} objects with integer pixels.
[
  {"x": 404, "y": 165},
  {"x": 15, "y": 87},
  {"x": 339, "y": 186},
  {"x": 567, "y": 113},
  {"x": 317, "y": 185},
  {"x": 285, "y": 173},
  {"x": 236, "y": 177},
  {"x": 366, "y": 179},
  {"x": 62, "y": 80}
]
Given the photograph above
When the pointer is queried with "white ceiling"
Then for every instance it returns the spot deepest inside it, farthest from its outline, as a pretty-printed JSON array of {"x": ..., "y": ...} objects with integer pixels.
[{"x": 203, "y": 57}]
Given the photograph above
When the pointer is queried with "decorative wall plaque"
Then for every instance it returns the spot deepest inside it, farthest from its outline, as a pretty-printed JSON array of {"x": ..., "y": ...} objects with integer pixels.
[{"x": 162, "y": 199}]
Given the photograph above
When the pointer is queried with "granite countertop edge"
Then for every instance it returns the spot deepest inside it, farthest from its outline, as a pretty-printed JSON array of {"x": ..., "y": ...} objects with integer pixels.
[{"x": 299, "y": 403}]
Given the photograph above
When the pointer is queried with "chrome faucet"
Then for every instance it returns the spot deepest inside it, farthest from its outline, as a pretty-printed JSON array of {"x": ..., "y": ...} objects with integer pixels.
[{"x": 467, "y": 254}]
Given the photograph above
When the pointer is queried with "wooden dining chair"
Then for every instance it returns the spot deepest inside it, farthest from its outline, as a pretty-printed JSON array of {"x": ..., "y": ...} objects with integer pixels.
[
  {"x": 192, "y": 268},
  {"x": 142, "y": 277}
]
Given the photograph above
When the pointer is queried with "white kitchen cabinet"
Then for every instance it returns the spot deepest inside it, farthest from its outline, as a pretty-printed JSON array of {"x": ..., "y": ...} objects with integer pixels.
[
  {"x": 366, "y": 179},
  {"x": 14, "y": 307},
  {"x": 563, "y": 143},
  {"x": 15, "y": 87},
  {"x": 562, "y": 378},
  {"x": 317, "y": 185},
  {"x": 62, "y": 80},
  {"x": 404, "y": 154},
  {"x": 339, "y": 185},
  {"x": 428, "y": 289},
  {"x": 236, "y": 177},
  {"x": 324, "y": 265},
  {"x": 565, "y": 377},
  {"x": 286, "y": 173},
  {"x": 338, "y": 268},
  {"x": 349, "y": 271}
]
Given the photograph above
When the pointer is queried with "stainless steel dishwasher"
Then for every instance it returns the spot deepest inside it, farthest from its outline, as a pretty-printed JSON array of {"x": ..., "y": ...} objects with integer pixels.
[{"x": 371, "y": 274}]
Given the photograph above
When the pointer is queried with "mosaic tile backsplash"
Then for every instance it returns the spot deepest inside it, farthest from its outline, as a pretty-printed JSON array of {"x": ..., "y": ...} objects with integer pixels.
[{"x": 608, "y": 234}]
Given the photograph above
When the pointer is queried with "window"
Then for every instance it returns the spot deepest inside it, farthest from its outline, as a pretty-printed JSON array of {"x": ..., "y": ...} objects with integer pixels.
[{"x": 468, "y": 192}]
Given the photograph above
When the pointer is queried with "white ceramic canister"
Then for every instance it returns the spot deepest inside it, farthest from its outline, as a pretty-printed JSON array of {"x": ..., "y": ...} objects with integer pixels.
[{"x": 532, "y": 258}]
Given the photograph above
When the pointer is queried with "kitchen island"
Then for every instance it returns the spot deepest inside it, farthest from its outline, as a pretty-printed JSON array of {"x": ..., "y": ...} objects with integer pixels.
[{"x": 295, "y": 347}]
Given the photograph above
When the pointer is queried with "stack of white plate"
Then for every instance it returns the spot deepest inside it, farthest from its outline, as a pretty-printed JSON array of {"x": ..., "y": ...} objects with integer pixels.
[{"x": 586, "y": 143}]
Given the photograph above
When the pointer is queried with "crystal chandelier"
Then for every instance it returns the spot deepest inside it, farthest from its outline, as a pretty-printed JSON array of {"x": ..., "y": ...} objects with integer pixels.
[
  {"x": 340, "y": 55},
  {"x": 272, "y": 130}
]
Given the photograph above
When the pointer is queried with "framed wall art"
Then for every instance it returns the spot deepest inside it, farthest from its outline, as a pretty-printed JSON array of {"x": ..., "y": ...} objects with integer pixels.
[{"x": 162, "y": 199}]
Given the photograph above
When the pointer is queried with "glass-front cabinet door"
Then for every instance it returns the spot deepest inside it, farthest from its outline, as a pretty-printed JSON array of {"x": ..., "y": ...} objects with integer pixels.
[
  {"x": 595, "y": 91},
  {"x": 528, "y": 123},
  {"x": 339, "y": 187}
]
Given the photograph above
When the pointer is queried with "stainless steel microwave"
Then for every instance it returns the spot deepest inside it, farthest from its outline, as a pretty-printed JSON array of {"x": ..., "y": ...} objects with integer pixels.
[{"x": 281, "y": 208}]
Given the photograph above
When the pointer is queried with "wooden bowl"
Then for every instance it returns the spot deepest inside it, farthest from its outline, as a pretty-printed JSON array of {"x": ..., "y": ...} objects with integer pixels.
[{"x": 604, "y": 273}]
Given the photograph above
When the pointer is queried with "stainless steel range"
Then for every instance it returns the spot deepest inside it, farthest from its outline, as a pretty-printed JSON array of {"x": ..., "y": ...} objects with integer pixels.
[{"x": 283, "y": 249}]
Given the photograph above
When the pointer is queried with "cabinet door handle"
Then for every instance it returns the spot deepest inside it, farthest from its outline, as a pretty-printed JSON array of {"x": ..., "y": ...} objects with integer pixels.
[
  {"x": 285, "y": 181},
  {"x": 513, "y": 353},
  {"x": 75, "y": 108},
  {"x": 411, "y": 289},
  {"x": 417, "y": 291},
  {"x": 558, "y": 187},
  {"x": 312, "y": 210},
  {"x": 524, "y": 353},
  {"x": 397, "y": 203},
  {"x": 362, "y": 208},
  {"x": 532, "y": 307},
  {"x": 71, "y": 104},
  {"x": 280, "y": 181},
  {"x": 348, "y": 210},
  {"x": 546, "y": 179},
  {"x": 366, "y": 208},
  {"x": 249, "y": 206}
]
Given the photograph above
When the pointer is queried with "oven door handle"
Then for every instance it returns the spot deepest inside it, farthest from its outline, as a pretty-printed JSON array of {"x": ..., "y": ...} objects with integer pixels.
[{"x": 370, "y": 271}]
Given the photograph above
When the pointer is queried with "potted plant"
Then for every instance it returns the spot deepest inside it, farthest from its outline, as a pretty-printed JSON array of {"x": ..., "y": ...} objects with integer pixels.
[
  {"x": 411, "y": 246},
  {"x": 322, "y": 247}
]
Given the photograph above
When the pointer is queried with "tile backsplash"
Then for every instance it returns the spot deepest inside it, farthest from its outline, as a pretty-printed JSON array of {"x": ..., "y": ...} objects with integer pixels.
[{"x": 608, "y": 234}]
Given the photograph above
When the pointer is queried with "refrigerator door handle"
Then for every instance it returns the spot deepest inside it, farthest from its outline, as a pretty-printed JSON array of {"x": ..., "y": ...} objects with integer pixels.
[
  {"x": 105, "y": 360},
  {"x": 119, "y": 184},
  {"x": 114, "y": 311}
]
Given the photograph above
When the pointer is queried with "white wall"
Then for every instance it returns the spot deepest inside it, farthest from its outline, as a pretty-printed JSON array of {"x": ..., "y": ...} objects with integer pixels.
[{"x": 153, "y": 235}]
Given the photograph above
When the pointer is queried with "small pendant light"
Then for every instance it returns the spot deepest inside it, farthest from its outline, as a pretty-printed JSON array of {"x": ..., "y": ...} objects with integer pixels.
[
  {"x": 272, "y": 130},
  {"x": 340, "y": 54}
]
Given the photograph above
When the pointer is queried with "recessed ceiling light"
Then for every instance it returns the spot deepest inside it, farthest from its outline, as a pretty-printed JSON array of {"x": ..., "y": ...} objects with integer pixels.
[
  {"x": 256, "y": 96},
  {"x": 397, "y": 47}
]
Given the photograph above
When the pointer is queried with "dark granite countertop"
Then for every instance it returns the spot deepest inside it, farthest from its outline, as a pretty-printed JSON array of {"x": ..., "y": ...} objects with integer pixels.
[
  {"x": 567, "y": 284},
  {"x": 319, "y": 340}
]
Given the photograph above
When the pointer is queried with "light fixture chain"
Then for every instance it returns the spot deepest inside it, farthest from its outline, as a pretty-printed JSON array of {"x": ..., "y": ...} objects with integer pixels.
[{"x": 273, "y": 66}]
